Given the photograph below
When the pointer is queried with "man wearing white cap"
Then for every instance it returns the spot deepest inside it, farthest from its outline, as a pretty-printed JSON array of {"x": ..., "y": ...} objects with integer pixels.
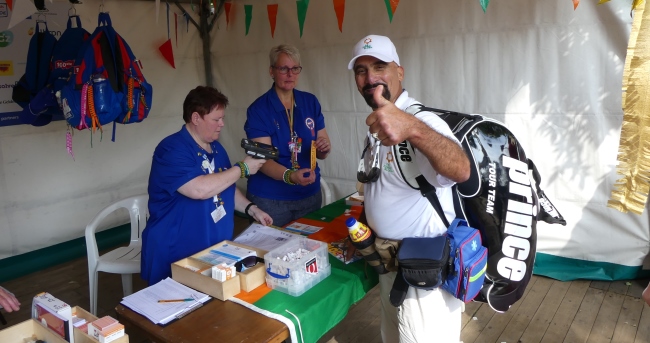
[{"x": 393, "y": 209}]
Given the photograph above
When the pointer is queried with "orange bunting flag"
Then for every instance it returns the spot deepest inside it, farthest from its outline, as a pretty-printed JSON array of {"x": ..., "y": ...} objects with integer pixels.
[
  {"x": 227, "y": 7},
  {"x": 272, "y": 11},
  {"x": 575, "y": 4},
  {"x": 10, "y": 4},
  {"x": 339, "y": 8},
  {"x": 393, "y": 5}
]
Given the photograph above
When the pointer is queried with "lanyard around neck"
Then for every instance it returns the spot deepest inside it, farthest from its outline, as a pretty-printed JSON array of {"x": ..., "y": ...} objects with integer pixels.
[{"x": 290, "y": 114}]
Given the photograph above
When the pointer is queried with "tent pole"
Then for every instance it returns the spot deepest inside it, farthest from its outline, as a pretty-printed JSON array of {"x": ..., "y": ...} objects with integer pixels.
[
  {"x": 204, "y": 31},
  {"x": 205, "y": 38}
]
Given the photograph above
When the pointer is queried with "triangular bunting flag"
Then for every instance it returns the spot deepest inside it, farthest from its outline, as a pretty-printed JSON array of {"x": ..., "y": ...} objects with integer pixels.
[
  {"x": 484, "y": 4},
  {"x": 249, "y": 16},
  {"x": 339, "y": 8},
  {"x": 272, "y": 11},
  {"x": 635, "y": 3},
  {"x": 575, "y": 4},
  {"x": 10, "y": 4},
  {"x": 302, "y": 5},
  {"x": 227, "y": 7},
  {"x": 22, "y": 10},
  {"x": 391, "y": 7},
  {"x": 167, "y": 52},
  {"x": 602, "y": 1}
]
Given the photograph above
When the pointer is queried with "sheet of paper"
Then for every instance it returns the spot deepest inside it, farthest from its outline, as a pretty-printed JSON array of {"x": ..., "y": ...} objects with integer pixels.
[
  {"x": 146, "y": 302},
  {"x": 302, "y": 229},
  {"x": 225, "y": 253},
  {"x": 264, "y": 237}
]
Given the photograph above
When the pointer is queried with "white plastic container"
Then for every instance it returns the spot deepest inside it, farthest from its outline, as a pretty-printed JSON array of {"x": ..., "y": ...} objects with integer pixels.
[{"x": 296, "y": 266}]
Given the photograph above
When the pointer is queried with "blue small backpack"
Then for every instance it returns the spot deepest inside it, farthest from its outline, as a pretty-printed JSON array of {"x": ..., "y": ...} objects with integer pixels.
[
  {"x": 66, "y": 51},
  {"x": 107, "y": 84}
]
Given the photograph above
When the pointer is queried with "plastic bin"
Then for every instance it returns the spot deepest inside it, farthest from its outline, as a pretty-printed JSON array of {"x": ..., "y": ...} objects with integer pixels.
[{"x": 296, "y": 276}]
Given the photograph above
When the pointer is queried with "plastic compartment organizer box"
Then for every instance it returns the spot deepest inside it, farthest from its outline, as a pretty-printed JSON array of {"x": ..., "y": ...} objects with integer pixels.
[{"x": 296, "y": 266}]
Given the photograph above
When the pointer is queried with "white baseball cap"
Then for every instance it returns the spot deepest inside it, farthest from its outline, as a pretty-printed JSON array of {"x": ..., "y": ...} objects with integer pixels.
[{"x": 376, "y": 46}]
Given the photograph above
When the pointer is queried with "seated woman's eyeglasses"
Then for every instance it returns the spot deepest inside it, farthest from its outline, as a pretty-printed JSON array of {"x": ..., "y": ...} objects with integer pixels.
[
  {"x": 368, "y": 170},
  {"x": 285, "y": 69}
]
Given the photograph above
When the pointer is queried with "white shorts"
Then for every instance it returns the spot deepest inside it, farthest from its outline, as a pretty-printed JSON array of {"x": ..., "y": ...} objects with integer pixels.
[{"x": 425, "y": 316}]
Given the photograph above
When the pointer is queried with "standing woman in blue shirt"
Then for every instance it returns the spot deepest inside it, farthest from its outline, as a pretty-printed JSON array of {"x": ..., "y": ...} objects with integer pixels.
[
  {"x": 192, "y": 193},
  {"x": 292, "y": 121}
]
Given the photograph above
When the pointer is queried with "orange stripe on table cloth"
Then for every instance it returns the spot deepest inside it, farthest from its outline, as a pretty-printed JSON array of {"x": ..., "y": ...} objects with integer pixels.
[
  {"x": 254, "y": 295},
  {"x": 334, "y": 230}
]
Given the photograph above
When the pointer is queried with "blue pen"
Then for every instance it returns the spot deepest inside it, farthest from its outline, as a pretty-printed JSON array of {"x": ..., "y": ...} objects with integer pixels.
[{"x": 175, "y": 300}]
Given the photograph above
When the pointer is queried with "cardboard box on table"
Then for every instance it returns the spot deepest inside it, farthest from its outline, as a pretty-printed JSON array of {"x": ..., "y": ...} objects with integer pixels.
[
  {"x": 246, "y": 280},
  {"x": 29, "y": 328},
  {"x": 82, "y": 337},
  {"x": 26, "y": 329}
]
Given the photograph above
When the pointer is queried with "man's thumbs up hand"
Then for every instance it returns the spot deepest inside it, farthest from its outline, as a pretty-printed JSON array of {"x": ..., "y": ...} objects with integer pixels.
[
  {"x": 379, "y": 98},
  {"x": 390, "y": 124}
]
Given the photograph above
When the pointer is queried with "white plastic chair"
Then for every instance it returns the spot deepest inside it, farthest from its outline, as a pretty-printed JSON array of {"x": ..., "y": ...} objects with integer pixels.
[
  {"x": 123, "y": 260},
  {"x": 326, "y": 192}
]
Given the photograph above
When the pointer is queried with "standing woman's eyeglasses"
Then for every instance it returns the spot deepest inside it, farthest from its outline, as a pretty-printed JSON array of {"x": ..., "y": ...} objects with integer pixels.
[
  {"x": 285, "y": 69},
  {"x": 368, "y": 170}
]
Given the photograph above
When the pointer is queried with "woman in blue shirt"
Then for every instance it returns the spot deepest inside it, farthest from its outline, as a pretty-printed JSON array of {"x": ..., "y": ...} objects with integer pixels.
[
  {"x": 292, "y": 121},
  {"x": 192, "y": 192}
]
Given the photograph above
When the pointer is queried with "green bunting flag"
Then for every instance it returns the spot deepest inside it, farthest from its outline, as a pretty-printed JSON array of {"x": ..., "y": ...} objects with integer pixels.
[
  {"x": 484, "y": 4},
  {"x": 302, "y": 5},
  {"x": 249, "y": 16},
  {"x": 389, "y": 10}
]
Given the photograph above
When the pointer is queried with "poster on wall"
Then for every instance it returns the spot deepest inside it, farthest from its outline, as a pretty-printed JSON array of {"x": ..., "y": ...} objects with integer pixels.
[{"x": 14, "y": 43}]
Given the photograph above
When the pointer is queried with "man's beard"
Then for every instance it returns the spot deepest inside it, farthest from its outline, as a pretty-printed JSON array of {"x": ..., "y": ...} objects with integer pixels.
[{"x": 369, "y": 96}]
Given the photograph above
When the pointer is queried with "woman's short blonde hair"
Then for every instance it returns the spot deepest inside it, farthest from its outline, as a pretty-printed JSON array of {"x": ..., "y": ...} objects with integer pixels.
[{"x": 287, "y": 49}]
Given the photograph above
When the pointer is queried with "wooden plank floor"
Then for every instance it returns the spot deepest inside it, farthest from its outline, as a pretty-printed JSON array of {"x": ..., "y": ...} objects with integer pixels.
[{"x": 550, "y": 312}]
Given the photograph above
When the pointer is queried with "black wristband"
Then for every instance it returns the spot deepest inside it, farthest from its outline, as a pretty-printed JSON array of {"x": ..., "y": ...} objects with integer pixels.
[{"x": 248, "y": 207}]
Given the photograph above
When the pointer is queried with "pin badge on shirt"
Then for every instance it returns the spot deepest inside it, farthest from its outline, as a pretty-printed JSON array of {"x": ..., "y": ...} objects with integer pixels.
[{"x": 311, "y": 126}]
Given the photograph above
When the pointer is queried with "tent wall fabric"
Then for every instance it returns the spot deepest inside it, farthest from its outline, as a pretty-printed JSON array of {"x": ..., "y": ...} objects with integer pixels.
[{"x": 551, "y": 74}]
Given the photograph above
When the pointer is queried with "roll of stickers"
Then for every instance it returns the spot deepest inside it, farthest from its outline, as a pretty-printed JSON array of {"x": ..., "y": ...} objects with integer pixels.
[{"x": 313, "y": 155}]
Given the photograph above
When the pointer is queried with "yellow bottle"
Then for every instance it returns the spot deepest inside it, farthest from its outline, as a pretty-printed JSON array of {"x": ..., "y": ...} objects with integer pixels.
[{"x": 359, "y": 232}]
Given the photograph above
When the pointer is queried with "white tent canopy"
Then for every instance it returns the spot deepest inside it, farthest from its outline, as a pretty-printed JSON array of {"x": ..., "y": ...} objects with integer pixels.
[{"x": 552, "y": 74}]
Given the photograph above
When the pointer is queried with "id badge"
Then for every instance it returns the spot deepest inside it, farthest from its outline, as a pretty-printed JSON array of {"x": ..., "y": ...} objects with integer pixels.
[{"x": 218, "y": 213}]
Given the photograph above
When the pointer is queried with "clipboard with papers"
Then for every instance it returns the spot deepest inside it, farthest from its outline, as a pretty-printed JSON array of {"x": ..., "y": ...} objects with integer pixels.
[{"x": 165, "y": 301}]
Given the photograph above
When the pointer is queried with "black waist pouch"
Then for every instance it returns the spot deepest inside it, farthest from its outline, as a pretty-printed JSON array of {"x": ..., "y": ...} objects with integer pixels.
[{"x": 423, "y": 263}]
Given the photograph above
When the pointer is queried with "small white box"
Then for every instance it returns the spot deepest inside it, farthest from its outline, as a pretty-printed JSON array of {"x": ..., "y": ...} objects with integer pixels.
[
  {"x": 223, "y": 272},
  {"x": 114, "y": 333}
]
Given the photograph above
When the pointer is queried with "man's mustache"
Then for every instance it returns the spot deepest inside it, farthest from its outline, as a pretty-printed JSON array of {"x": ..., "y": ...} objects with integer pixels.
[{"x": 370, "y": 86}]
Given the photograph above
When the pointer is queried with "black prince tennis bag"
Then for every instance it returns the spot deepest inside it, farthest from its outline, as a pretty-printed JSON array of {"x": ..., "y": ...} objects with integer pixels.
[{"x": 499, "y": 199}]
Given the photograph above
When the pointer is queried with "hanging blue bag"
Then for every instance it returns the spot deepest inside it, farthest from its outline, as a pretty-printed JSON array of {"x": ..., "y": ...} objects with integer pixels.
[{"x": 66, "y": 51}]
